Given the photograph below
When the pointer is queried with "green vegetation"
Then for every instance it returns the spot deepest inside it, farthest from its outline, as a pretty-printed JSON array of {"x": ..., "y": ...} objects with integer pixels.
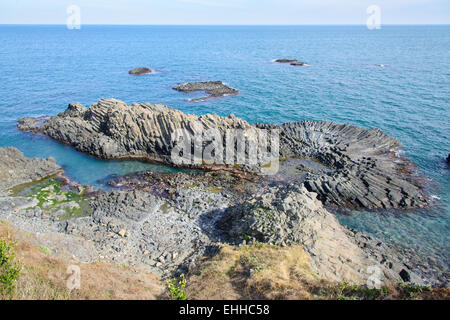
[
  {"x": 214, "y": 189},
  {"x": 9, "y": 268},
  {"x": 345, "y": 291},
  {"x": 52, "y": 197},
  {"x": 165, "y": 207},
  {"x": 412, "y": 291},
  {"x": 45, "y": 250},
  {"x": 177, "y": 288}
]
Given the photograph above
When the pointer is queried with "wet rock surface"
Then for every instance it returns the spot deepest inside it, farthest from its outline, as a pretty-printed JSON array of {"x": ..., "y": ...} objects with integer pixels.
[{"x": 215, "y": 89}]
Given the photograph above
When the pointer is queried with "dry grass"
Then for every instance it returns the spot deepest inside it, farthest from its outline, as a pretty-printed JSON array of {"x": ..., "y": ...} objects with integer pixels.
[
  {"x": 269, "y": 272},
  {"x": 254, "y": 272},
  {"x": 43, "y": 277},
  {"x": 249, "y": 272}
]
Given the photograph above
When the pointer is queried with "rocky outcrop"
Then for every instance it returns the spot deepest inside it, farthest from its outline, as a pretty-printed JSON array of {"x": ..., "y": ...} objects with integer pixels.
[
  {"x": 365, "y": 169},
  {"x": 293, "y": 215},
  {"x": 110, "y": 129},
  {"x": 139, "y": 71},
  {"x": 15, "y": 168},
  {"x": 348, "y": 166},
  {"x": 215, "y": 89}
]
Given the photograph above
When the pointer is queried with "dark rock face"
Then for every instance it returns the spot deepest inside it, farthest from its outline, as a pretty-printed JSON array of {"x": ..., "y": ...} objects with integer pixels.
[
  {"x": 139, "y": 71},
  {"x": 215, "y": 89},
  {"x": 405, "y": 275},
  {"x": 366, "y": 171},
  {"x": 448, "y": 158},
  {"x": 286, "y": 60},
  {"x": 358, "y": 168},
  {"x": 15, "y": 168}
]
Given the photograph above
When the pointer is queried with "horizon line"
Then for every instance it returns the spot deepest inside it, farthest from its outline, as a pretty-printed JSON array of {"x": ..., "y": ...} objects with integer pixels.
[{"x": 225, "y": 25}]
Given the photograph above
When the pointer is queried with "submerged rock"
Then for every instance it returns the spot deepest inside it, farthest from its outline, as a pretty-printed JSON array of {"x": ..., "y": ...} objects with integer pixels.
[
  {"x": 298, "y": 63},
  {"x": 215, "y": 89},
  {"x": 358, "y": 168},
  {"x": 140, "y": 71}
]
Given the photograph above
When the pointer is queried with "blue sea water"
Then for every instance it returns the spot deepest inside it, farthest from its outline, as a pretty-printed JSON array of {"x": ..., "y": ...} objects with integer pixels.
[{"x": 396, "y": 78}]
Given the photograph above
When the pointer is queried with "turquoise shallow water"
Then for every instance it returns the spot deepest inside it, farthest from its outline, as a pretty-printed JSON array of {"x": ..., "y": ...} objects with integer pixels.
[{"x": 396, "y": 79}]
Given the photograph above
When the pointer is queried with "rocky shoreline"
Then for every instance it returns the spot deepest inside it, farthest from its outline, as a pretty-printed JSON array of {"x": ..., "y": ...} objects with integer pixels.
[{"x": 168, "y": 223}]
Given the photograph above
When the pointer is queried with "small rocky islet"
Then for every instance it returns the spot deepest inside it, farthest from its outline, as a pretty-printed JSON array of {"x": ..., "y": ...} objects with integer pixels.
[
  {"x": 292, "y": 62},
  {"x": 214, "y": 89},
  {"x": 168, "y": 222},
  {"x": 140, "y": 71}
]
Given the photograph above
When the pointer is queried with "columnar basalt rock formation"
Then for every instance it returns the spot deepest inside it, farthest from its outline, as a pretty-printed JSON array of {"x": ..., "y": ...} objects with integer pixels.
[
  {"x": 366, "y": 170},
  {"x": 361, "y": 168},
  {"x": 110, "y": 129}
]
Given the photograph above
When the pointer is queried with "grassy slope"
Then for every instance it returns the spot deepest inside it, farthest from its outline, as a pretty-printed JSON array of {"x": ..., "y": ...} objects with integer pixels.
[
  {"x": 44, "y": 277},
  {"x": 248, "y": 272}
]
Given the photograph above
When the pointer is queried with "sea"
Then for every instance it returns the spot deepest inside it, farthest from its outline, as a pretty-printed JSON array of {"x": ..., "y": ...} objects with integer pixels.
[{"x": 396, "y": 78}]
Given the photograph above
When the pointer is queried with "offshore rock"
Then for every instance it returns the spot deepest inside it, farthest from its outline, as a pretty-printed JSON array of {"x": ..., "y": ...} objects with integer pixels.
[
  {"x": 298, "y": 64},
  {"x": 140, "y": 71},
  {"x": 215, "y": 89},
  {"x": 286, "y": 60}
]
